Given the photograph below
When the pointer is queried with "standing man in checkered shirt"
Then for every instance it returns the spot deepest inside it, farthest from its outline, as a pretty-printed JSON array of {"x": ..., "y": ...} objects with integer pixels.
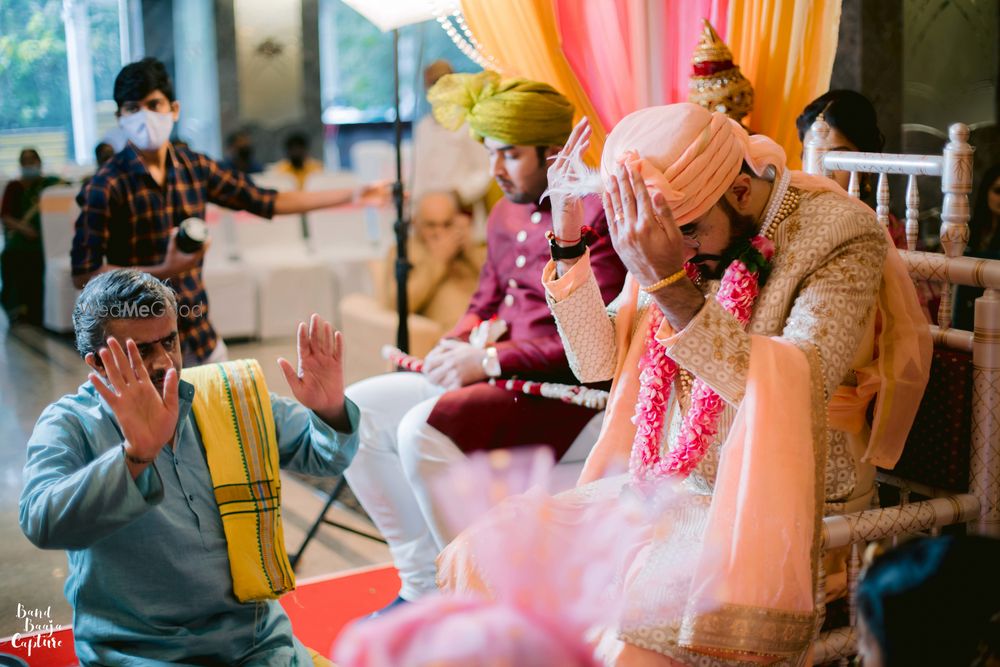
[{"x": 131, "y": 208}]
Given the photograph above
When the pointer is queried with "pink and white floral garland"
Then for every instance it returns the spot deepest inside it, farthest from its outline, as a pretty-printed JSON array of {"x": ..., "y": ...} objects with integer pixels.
[{"x": 737, "y": 295}]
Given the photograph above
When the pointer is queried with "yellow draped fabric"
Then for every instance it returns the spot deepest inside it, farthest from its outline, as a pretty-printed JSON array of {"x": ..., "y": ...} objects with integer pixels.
[
  {"x": 232, "y": 408},
  {"x": 786, "y": 50},
  {"x": 523, "y": 37}
]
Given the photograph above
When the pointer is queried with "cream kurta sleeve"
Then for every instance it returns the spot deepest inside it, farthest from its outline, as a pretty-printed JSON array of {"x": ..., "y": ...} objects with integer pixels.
[
  {"x": 829, "y": 261},
  {"x": 586, "y": 326}
]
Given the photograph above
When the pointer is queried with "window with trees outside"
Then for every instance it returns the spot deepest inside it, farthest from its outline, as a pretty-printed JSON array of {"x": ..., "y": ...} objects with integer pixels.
[
  {"x": 356, "y": 66},
  {"x": 55, "y": 94}
]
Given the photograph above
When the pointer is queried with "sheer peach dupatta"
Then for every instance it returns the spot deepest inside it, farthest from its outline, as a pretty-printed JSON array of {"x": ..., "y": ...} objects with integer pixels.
[
  {"x": 734, "y": 573},
  {"x": 754, "y": 586}
]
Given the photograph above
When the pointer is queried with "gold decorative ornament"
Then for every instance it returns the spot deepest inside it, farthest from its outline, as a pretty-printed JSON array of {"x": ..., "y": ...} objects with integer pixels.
[{"x": 717, "y": 83}]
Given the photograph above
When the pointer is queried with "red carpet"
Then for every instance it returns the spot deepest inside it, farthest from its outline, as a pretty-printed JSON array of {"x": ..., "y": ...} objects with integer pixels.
[{"x": 319, "y": 609}]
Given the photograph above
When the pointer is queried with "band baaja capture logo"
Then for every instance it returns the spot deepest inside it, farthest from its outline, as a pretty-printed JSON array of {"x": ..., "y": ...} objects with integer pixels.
[{"x": 39, "y": 627}]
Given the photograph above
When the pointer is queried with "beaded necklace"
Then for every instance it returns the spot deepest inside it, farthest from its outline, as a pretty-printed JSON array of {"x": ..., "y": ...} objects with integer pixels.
[{"x": 737, "y": 294}]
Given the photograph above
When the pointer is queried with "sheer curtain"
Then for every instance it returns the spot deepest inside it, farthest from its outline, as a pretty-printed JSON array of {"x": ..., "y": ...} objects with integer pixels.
[
  {"x": 630, "y": 54},
  {"x": 786, "y": 50}
]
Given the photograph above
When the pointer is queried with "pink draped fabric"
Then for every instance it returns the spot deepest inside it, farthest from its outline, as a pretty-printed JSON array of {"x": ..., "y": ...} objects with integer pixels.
[
  {"x": 608, "y": 46},
  {"x": 680, "y": 29},
  {"x": 598, "y": 41}
]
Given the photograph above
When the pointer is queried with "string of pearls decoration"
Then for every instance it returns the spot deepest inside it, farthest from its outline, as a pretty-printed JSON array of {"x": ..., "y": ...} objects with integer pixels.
[{"x": 449, "y": 15}]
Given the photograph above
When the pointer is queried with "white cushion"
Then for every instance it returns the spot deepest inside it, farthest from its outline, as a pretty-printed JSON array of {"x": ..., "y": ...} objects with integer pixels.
[{"x": 60, "y": 295}]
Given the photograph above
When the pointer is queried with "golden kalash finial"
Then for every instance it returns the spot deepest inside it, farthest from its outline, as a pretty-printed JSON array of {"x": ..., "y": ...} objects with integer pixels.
[{"x": 717, "y": 84}]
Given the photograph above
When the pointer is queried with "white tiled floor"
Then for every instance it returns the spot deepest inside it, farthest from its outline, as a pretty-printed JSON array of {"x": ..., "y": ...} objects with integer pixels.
[{"x": 35, "y": 369}]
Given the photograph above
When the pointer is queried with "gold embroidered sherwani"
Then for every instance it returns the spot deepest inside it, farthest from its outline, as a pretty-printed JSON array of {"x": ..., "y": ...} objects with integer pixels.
[{"x": 820, "y": 296}]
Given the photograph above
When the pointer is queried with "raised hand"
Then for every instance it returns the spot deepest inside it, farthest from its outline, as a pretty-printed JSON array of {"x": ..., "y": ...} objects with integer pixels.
[
  {"x": 148, "y": 419},
  {"x": 649, "y": 243},
  {"x": 567, "y": 210},
  {"x": 444, "y": 245},
  {"x": 318, "y": 382},
  {"x": 643, "y": 231}
]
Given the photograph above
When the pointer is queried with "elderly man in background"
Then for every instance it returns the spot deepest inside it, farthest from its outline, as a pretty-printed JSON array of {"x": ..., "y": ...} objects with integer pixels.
[
  {"x": 448, "y": 161},
  {"x": 444, "y": 262}
]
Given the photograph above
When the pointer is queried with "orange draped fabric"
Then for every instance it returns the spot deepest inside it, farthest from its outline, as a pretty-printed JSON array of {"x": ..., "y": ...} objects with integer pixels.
[
  {"x": 523, "y": 37},
  {"x": 786, "y": 50}
]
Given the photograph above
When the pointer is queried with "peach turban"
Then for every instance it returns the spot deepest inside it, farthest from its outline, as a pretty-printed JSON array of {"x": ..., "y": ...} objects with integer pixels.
[
  {"x": 688, "y": 154},
  {"x": 692, "y": 156},
  {"x": 515, "y": 111}
]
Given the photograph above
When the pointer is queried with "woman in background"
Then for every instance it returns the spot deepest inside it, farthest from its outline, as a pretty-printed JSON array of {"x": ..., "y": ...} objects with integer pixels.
[
  {"x": 854, "y": 127},
  {"x": 22, "y": 262}
]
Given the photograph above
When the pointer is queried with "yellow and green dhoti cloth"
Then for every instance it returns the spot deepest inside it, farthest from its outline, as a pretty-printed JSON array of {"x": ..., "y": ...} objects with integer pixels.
[{"x": 232, "y": 408}]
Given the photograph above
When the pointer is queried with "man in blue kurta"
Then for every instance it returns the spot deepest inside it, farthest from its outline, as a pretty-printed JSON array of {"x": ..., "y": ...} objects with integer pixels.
[{"x": 121, "y": 475}]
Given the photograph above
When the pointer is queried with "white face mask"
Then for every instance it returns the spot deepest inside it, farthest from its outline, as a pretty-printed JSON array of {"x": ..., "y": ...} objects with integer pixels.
[{"x": 146, "y": 129}]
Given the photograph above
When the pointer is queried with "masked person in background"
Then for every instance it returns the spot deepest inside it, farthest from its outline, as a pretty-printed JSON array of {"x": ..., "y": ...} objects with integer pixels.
[
  {"x": 297, "y": 163},
  {"x": 130, "y": 210},
  {"x": 23, "y": 261},
  {"x": 240, "y": 153}
]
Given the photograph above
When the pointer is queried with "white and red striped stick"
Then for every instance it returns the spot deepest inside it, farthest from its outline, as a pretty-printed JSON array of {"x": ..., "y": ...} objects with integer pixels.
[
  {"x": 402, "y": 360},
  {"x": 595, "y": 399},
  {"x": 568, "y": 393}
]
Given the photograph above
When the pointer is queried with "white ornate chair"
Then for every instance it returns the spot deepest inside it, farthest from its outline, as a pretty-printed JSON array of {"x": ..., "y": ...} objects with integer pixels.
[{"x": 978, "y": 506}]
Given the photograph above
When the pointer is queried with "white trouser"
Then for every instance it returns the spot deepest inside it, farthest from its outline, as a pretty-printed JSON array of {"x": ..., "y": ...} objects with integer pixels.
[{"x": 399, "y": 454}]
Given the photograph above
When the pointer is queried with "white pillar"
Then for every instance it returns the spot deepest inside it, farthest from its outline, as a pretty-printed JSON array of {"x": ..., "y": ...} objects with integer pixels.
[
  {"x": 76, "y": 20},
  {"x": 327, "y": 52},
  {"x": 130, "y": 36},
  {"x": 197, "y": 75}
]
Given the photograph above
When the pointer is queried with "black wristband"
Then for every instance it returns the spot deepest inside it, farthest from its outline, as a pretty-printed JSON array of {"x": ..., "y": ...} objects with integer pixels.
[
  {"x": 587, "y": 236},
  {"x": 567, "y": 252}
]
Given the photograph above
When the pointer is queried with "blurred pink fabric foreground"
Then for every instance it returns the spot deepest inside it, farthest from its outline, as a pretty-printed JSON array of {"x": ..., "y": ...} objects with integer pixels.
[
  {"x": 749, "y": 545},
  {"x": 552, "y": 579}
]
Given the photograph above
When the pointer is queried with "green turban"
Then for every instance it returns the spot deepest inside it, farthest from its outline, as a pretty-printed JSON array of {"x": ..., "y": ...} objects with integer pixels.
[{"x": 517, "y": 111}]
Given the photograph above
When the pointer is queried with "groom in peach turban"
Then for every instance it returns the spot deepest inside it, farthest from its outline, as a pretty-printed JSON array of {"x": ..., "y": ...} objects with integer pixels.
[{"x": 741, "y": 351}]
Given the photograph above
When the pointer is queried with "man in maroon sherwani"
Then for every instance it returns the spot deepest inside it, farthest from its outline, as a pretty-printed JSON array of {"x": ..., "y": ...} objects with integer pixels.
[{"x": 414, "y": 425}]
